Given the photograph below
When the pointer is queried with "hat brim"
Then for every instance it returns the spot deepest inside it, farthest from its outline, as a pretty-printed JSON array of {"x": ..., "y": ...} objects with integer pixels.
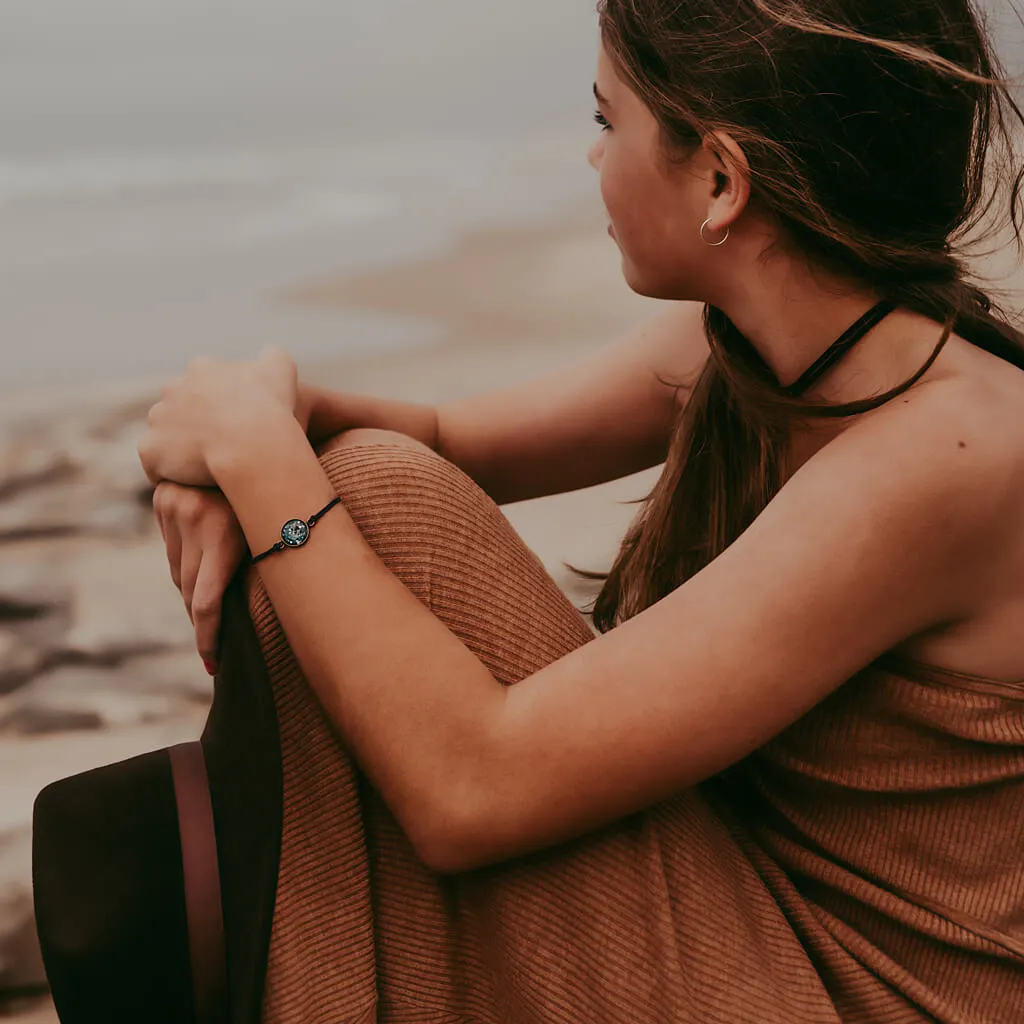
[{"x": 106, "y": 859}]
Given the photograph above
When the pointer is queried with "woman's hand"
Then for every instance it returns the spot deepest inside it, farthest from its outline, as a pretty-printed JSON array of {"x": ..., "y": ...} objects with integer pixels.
[
  {"x": 205, "y": 546},
  {"x": 216, "y": 409}
]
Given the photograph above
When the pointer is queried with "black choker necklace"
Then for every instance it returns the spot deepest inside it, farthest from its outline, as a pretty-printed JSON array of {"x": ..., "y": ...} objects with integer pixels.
[{"x": 839, "y": 348}]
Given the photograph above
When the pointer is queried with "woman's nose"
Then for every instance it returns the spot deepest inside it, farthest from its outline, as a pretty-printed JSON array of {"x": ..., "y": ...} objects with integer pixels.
[{"x": 596, "y": 154}]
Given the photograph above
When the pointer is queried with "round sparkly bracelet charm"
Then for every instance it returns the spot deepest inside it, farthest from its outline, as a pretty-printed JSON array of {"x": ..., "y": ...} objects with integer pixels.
[{"x": 295, "y": 533}]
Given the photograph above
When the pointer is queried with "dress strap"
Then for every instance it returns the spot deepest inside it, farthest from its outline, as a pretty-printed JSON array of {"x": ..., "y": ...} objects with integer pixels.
[{"x": 840, "y": 347}]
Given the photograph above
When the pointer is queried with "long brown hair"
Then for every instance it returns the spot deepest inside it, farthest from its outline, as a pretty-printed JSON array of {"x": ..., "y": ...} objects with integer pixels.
[{"x": 871, "y": 129}]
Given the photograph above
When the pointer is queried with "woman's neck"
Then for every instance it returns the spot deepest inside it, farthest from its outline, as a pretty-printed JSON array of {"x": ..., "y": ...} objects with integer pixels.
[{"x": 791, "y": 315}]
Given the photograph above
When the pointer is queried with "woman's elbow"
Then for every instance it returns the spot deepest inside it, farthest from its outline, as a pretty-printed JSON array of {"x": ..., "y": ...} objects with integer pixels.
[{"x": 453, "y": 844}]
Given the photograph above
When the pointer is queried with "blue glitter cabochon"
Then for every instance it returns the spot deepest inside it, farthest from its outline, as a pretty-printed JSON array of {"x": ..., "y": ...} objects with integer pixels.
[{"x": 295, "y": 533}]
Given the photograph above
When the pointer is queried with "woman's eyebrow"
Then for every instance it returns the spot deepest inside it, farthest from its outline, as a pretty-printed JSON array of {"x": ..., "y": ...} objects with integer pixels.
[{"x": 600, "y": 99}]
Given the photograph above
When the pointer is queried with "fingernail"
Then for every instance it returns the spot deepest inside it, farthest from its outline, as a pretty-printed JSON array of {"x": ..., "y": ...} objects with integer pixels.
[{"x": 211, "y": 668}]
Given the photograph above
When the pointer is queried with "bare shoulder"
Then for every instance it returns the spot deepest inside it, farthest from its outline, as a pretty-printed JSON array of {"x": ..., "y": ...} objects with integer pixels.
[
  {"x": 956, "y": 436},
  {"x": 954, "y": 446},
  {"x": 972, "y": 386},
  {"x": 977, "y": 414}
]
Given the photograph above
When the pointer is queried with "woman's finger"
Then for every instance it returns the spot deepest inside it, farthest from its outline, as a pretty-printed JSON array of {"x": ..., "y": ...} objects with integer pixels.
[
  {"x": 279, "y": 371},
  {"x": 214, "y": 576},
  {"x": 192, "y": 558},
  {"x": 158, "y": 512},
  {"x": 172, "y": 541}
]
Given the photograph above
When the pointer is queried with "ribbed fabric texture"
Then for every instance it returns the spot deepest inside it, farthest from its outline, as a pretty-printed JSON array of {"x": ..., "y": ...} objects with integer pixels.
[{"x": 865, "y": 866}]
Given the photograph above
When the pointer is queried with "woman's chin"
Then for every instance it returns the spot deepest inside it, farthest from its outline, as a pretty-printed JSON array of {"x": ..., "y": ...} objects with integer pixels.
[
  {"x": 629, "y": 273},
  {"x": 639, "y": 282},
  {"x": 651, "y": 286}
]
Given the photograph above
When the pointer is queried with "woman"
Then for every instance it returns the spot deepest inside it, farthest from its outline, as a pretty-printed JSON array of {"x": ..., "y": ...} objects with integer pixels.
[{"x": 788, "y": 785}]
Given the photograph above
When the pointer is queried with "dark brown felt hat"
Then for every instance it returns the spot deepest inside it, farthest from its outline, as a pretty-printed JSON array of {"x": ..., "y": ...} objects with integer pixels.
[{"x": 123, "y": 938}]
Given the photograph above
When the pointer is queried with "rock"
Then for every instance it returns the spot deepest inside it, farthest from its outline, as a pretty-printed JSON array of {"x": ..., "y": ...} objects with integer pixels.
[
  {"x": 123, "y": 603},
  {"x": 21, "y": 964},
  {"x": 113, "y": 462},
  {"x": 27, "y": 462},
  {"x": 67, "y": 508},
  {"x": 29, "y": 589},
  {"x": 99, "y": 603},
  {"x": 19, "y": 661},
  {"x": 34, "y": 719},
  {"x": 178, "y": 673},
  {"x": 77, "y": 474},
  {"x": 138, "y": 692},
  {"x": 34, "y": 604}
]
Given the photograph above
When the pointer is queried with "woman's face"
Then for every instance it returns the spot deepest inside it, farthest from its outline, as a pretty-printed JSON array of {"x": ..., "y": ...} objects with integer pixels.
[{"x": 655, "y": 209}]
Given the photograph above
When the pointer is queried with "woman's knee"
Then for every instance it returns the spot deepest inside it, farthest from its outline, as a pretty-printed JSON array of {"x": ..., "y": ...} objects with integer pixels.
[
  {"x": 390, "y": 474},
  {"x": 371, "y": 436},
  {"x": 384, "y": 469},
  {"x": 452, "y": 547}
]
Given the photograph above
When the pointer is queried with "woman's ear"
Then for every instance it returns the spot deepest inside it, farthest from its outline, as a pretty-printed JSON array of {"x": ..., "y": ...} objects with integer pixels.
[{"x": 731, "y": 178}]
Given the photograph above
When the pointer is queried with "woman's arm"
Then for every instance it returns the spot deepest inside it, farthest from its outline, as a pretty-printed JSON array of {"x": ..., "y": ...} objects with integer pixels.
[
  {"x": 604, "y": 419},
  {"x": 879, "y": 537},
  {"x": 325, "y": 414},
  {"x": 869, "y": 543}
]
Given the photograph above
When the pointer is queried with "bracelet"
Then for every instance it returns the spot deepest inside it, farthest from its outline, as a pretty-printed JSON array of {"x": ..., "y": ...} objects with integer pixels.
[{"x": 295, "y": 532}]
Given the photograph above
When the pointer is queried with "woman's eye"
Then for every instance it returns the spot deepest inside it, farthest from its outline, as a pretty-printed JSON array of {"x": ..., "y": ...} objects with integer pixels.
[{"x": 601, "y": 120}]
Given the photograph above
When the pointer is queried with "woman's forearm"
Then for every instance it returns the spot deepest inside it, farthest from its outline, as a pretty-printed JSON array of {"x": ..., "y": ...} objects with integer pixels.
[
  {"x": 332, "y": 412},
  {"x": 418, "y": 726}
]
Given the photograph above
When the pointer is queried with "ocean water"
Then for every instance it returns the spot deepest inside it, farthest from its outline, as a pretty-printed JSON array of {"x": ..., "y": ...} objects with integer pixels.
[{"x": 169, "y": 169}]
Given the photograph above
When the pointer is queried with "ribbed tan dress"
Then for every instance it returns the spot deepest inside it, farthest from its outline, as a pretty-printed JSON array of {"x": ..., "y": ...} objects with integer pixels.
[{"x": 867, "y": 865}]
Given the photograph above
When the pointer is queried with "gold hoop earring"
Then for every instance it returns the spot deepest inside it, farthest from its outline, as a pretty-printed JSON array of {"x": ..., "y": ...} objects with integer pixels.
[{"x": 713, "y": 244}]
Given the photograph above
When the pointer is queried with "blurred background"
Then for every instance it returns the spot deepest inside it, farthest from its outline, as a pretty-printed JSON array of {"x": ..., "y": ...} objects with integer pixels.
[
  {"x": 397, "y": 192},
  {"x": 170, "y": 170}
]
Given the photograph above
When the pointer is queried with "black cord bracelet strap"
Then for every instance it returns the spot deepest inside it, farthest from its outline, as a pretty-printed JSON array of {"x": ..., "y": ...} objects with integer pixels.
[{"x": 295, "y": 532}]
